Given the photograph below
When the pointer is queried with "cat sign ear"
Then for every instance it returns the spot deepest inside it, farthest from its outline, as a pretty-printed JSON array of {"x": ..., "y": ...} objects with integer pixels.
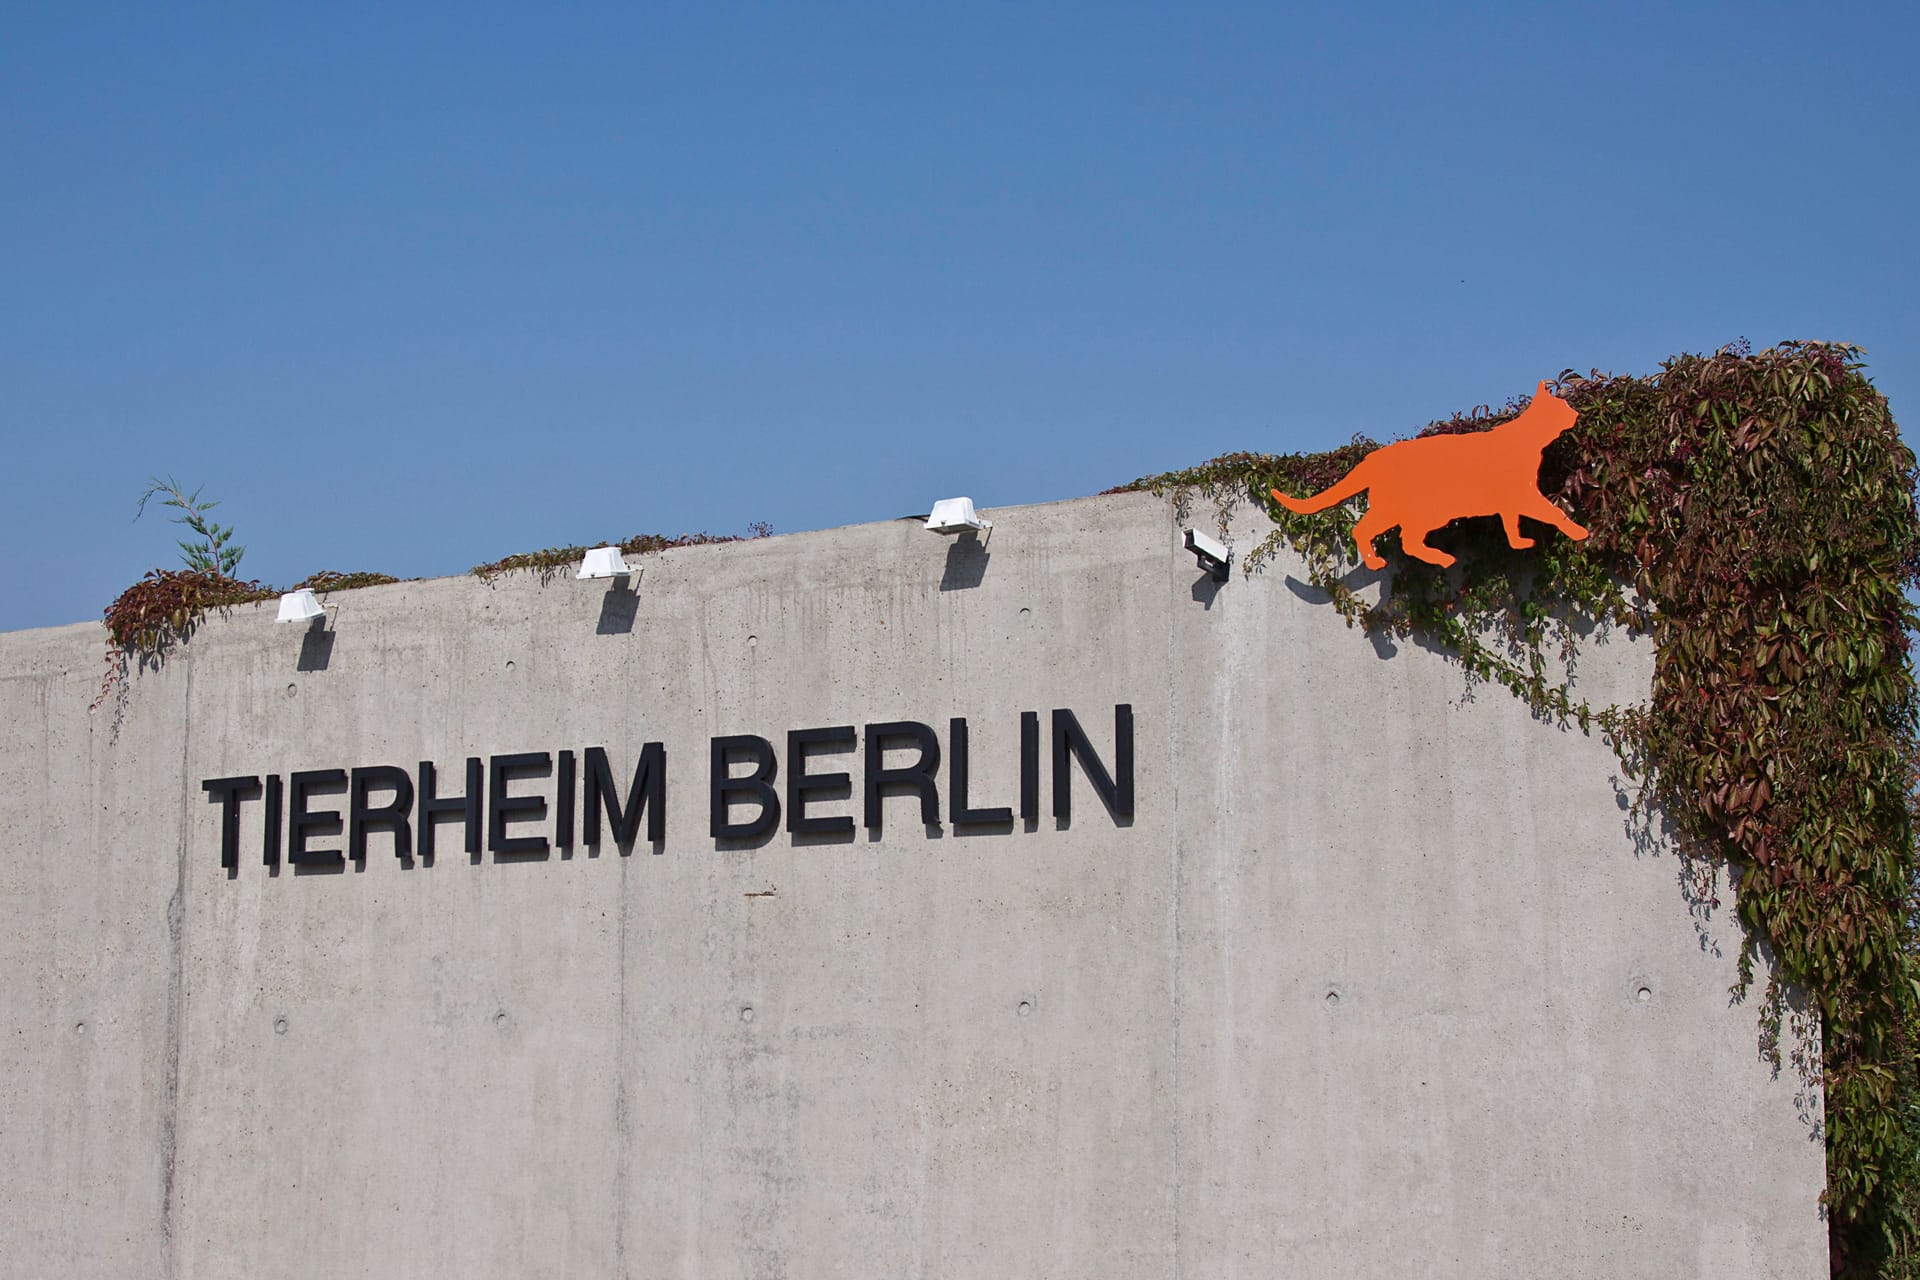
[{"x": 1541, "y": 389}]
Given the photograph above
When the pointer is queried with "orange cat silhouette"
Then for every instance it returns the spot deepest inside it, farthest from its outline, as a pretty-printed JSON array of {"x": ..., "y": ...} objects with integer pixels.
[{"x": 1422, "y": 484}]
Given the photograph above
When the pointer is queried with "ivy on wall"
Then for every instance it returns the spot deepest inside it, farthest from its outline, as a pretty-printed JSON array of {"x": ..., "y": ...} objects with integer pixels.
[{"x": 1755, "y": 512}]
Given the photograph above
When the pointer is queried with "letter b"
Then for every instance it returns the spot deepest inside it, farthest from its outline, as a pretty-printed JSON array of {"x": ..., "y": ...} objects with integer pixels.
[{"x": 756, "y": 787}]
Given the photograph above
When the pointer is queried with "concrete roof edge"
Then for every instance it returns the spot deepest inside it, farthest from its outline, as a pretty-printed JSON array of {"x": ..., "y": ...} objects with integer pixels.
[{"x": 723, "y": 547}]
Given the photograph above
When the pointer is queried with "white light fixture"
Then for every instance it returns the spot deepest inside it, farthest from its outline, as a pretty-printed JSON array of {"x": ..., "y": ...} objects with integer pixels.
[
  {"x": 299, "y": 606},
  {"x": 1216, "y": 558},
  {"x": 956, "y": 515},
  {"x": 604, "y": 562}
]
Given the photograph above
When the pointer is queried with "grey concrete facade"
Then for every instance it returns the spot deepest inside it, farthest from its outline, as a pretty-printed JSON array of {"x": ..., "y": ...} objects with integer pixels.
[{"x": 1376, "y": 982}]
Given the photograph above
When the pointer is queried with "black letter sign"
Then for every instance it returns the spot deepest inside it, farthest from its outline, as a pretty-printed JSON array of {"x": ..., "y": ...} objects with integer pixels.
[
  {"x": 1116, "y": 792},
  {"x": 649, "y": 796},
  {"x": 432, "y": 805},
  {"x": 756, "y": 787},
  {"x": 803, "y": 786},
  {"x": 363, "y": 817},
  {"x": 960, "y": 804},
  {"x": 230, "y": 792},
  {"x": 300, "y": 821},
  {"x": 917, "y": 776},
  {"x": 501, "y": 807}
]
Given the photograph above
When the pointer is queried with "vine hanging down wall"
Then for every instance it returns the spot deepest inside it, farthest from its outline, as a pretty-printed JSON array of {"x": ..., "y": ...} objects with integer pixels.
[{"x": 1755, "y": 512}]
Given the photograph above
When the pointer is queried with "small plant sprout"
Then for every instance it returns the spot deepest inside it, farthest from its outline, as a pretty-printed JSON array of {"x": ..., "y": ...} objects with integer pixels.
[{"x": 215, "y": 552}]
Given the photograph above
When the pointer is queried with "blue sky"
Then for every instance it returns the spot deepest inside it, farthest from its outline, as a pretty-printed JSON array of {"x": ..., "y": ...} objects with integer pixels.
[{"x": 410, "y": 287}]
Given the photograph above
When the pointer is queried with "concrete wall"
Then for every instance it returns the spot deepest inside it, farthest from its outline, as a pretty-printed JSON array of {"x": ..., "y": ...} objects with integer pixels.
[{"x": 1357, "y": 993}]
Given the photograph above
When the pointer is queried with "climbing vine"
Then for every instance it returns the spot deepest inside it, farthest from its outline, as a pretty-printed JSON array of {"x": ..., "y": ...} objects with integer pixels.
[
  {"x": 1753, "y": 511},
  {"x": 149, "y": 618},
  {"x": 327, "y": 580}
]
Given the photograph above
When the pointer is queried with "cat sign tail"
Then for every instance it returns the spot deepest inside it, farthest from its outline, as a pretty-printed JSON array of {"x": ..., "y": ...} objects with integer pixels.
[{"x": 1353, "y": 483}]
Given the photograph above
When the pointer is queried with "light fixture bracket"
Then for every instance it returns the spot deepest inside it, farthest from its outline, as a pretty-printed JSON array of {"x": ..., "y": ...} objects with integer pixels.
[{"x": 1212, "y": 555}]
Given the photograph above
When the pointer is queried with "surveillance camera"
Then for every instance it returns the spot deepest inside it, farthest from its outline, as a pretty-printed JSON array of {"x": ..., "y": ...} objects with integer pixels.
[{"x": 1213, "y": 556}]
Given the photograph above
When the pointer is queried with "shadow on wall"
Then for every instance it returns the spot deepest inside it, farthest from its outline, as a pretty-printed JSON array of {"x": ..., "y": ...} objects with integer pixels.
[
  {"x": 1383, "y": 645},
  {"x": 316, "y": 647},
  {"x": 618, "y": 607},
  {"x": 966, "y": 563}
]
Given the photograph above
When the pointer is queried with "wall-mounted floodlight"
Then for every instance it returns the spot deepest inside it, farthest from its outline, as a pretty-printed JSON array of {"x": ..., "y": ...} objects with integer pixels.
[
  {"x": 299, "y": 606},
  {"x": 604, "y": 562},
  {"x": 956, "y": 515},
  {"x": 1212, "y": 556}
]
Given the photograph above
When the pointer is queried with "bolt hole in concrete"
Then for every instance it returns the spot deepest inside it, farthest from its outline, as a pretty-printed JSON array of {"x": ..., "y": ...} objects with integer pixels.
[
  {"x": 279, "y": 1026},
  {"x": 746, "y": 1014},
  {"x": 1643, "y": 994},
  {"x": 753, "y": 642},
  {"x": 500, "y": 1019},
  {"x": 292, "y": 689},
  {"x": 1026, "y": 1008},
  {"x": 79, "y": 1028},
  {"x": 1333, "y": 999},
  {"x": 509, "y": 664}
]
